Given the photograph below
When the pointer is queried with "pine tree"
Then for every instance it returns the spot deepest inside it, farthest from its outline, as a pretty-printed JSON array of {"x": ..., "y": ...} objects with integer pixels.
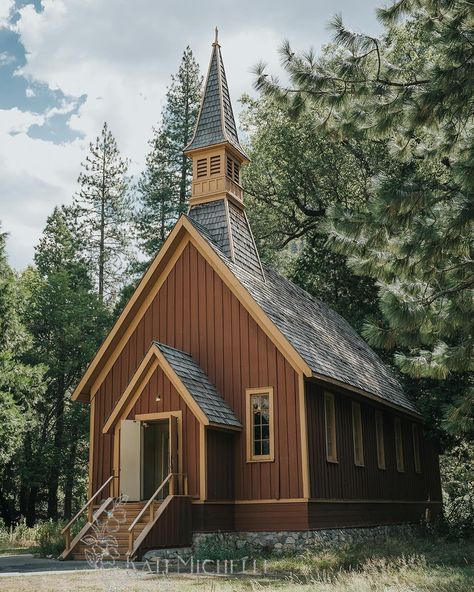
[
  {"x": 67, "y": 322},
  {"x": 165, "y": 183},
  {"x": 21, "y": 386},
  {"x": 412, "y": 89},
  {"x": 103, "y": 211}
]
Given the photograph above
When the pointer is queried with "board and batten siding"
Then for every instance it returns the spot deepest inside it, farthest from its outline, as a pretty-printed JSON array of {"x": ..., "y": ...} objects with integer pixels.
[
  {"x": 346, "y": 481},
  {"x": 196, "y": 312}
]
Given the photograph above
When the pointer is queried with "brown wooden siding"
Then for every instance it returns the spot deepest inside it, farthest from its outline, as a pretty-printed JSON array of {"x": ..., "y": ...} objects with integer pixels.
[
  {"x": 220, "y": 465},
  {"x": 323, "y": 515},
  {"x": 173, "y": 527},
  {"x": 196, "y": 312},
  {"x": 345, "y": 480}
]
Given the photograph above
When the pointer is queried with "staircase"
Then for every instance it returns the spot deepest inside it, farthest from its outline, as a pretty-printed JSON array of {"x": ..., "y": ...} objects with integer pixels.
[
  {"x": 116, "y": 529},
  {"x": 109, "y": 536}
]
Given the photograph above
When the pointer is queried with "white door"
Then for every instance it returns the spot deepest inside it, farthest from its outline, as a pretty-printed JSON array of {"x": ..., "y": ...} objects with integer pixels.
[{"x": 130, "y": 459}]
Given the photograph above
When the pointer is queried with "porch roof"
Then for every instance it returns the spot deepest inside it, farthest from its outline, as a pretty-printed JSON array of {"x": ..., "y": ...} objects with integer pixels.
[{"x": 197, "y": 383}]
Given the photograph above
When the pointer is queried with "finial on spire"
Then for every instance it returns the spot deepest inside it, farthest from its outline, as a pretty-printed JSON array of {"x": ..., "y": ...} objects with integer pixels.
[{"x": 216, "y": 40}]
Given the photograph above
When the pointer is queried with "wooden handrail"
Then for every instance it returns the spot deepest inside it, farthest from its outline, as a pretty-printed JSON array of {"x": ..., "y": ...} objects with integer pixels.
[
  {"x": 88, "y": 503},
  {"x": 149, "y": 502}
]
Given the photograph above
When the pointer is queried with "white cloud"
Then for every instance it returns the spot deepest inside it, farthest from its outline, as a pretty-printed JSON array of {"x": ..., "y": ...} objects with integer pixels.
[
  {"x": 121, "y": 54},
  {"x": 5, "y": 8},
  {"x": 29, "y": 92}
]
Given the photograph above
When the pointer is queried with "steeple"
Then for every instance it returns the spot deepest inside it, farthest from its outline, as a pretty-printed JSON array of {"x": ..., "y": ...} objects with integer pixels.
[
  {"x": 216, "y": 201},
  {"x": 216, "y": 123},
  {"x": 215, "y": 148}
]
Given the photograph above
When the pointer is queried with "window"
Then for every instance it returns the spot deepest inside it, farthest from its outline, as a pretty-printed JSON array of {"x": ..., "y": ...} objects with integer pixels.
[
  {"x": 357, "y": 435},
  {"x": 380, "y": 440},
  {"x": 233, "y": 170},
  {"x": 215, "y": 164},
  {"x": 399, "y": 445},
  {"x": 330, "y": 422},
  {"x": 416, "y": 448},
  {"x": 201, "y": 168},
  {"x": 260, "y": 425}
]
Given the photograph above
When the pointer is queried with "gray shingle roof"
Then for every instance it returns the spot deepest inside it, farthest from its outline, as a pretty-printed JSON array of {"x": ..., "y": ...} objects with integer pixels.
[
  {"x": 326, "y": 341},
  {"x": 231, "y": 233},
  {"x": 216, "y": 121},
  {"x": 211, "y": 403}
]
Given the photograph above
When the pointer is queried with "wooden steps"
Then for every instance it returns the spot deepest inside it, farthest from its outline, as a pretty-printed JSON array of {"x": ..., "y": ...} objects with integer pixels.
[{"x": 110, "y": 537}]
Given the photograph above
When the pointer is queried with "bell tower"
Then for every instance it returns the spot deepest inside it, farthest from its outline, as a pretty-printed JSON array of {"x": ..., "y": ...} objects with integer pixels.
[
  {"x": 216, "y": 201},
  {"x": 215, "y": 149}
]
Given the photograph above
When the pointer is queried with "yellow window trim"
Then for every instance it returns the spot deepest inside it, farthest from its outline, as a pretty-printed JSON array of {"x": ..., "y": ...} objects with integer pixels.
[
  {"x": 249, "y": 393},
  {"x": 416, "y": 447},
  {"x": 331, "y": 456},
  {"x": 357, "y": 436},
  {"x": 380, "y": 441},
  {"x": 399, "y": 445}
]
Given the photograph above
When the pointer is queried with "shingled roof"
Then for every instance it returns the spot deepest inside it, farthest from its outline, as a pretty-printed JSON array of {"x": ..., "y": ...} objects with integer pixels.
[
  {"x": 228, "y": 227},
  {"x": 196, "y": 381},
  {"x": 326, "y": 341},
  {"x": 216, "y": 123}
]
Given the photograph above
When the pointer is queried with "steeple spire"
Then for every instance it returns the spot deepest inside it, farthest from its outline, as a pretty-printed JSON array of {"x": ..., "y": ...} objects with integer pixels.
[
  {"x": 216, "y": 123},
  {"x": 216, "y": 202}
]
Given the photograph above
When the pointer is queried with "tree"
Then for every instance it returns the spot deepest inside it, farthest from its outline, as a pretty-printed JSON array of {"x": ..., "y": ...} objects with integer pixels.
[
  {"x": 296, "y": 174},
  {"x": 21, "y": 385},
  {"x": 67, "y": 321},
  {"x": 413, "y": 90},
  {"x": 165, "y": 183},
  {"x": 103, "y": 210}
]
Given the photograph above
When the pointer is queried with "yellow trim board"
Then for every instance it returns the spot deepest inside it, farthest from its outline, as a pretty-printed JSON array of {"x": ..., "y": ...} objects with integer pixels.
[
  {"x": 182, "y": 227},
  {"x": 177, "y": 233},
  {"x": 153, "y": 359}
]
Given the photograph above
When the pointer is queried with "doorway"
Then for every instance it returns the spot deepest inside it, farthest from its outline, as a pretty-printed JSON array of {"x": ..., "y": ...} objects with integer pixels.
[
  {"x": 155, "y": 457},
  {"x": 148, "y": 450}
]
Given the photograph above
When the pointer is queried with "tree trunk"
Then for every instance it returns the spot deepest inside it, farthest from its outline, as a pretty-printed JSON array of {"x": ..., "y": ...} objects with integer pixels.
[
  {"x": 53, "y": 482},
  {"x": 69, "y": 484},
  {"x": 31, "y": 510}
]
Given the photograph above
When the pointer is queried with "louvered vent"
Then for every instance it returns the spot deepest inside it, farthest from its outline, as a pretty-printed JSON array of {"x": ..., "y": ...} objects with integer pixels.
[
  {"x": 202, "y": 168},
  {"x": 233, "y": 170},
  {"x": 215, "y": 165}
]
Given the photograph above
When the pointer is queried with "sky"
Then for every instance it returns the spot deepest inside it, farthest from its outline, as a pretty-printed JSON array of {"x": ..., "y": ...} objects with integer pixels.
[{"x": 66, "y": 66}]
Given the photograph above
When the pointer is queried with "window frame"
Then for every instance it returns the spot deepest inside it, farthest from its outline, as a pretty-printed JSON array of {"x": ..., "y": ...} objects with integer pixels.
[
  {"x": 251, "y": 457},
  {"x": 416, "y": 447},
  {"x": 380, "y": 440},
  {"x": 399, "y": 452},
  {"x": 332, "y": 458},
  {"x": 357, "y": 434}
]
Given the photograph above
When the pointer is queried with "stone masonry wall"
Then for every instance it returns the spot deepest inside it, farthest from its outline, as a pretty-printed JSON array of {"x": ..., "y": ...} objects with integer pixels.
[{"x": 294, "y": 541}]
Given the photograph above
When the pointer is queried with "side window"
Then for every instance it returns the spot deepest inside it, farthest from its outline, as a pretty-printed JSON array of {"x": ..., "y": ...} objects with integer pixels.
[
  {"x": 330, "y": 423},
  {"x": 260, "y": 431},
  {"x": 380, "y": 440},
  {"x": 416, "y": 448},
  {"x": 357, "y": 435},
  {"x": 399, "y": 445}
]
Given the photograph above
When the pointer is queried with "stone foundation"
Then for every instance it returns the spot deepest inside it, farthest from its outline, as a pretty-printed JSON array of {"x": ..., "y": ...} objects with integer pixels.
[{"x": 295, "y": 541}]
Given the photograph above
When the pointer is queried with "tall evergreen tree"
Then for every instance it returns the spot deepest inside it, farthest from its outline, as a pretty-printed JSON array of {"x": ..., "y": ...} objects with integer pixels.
[
  {"x": 21, "y": 386},
  {"x": 165, "y": 183},
  {"x": 413, "y": 89},
  {"x": 67, "y": 321},
  {"x": 103, "y": 212}
]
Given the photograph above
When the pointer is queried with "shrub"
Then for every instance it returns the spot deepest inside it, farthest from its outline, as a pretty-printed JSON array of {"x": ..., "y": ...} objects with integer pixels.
[
  {"x": 49, "y": 540},
  {"x": 457, "y": 473}
]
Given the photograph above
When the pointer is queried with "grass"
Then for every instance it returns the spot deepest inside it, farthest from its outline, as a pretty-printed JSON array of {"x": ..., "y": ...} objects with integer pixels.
[{"x": 410, "y": 565}]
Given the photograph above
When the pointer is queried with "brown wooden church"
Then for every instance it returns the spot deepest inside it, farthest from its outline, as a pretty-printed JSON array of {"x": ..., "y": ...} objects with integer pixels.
[{"x": 225, "y": 398}]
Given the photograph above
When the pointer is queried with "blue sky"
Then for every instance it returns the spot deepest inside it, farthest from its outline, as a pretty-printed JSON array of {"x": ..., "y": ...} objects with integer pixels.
[{"x": 68, "y": 65}]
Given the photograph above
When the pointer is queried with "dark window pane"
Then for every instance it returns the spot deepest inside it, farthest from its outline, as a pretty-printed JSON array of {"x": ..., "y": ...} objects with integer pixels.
[{"x": 265, "y": 447}]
